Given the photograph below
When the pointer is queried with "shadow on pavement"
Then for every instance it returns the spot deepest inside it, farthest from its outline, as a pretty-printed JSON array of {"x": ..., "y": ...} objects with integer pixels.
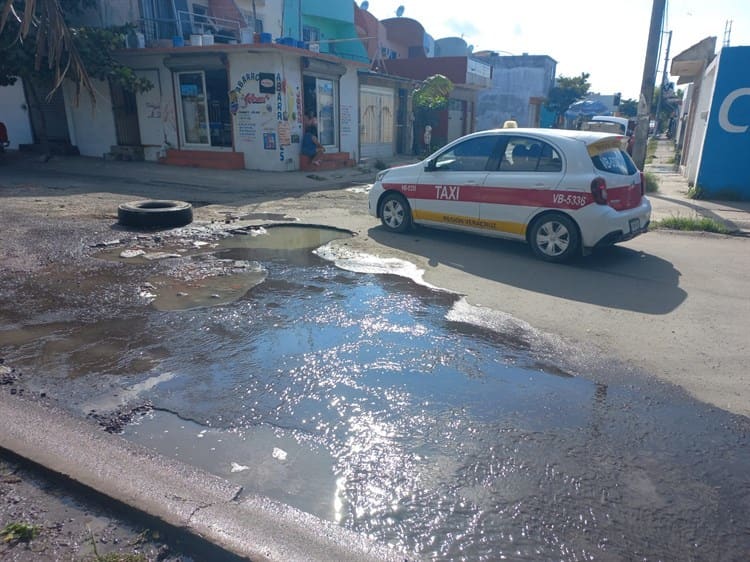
[{"x": 616, "y": 277}]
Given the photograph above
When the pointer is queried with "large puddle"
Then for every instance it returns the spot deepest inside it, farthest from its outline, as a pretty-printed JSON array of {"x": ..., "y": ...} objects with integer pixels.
[{"x": 379, "y": 403}]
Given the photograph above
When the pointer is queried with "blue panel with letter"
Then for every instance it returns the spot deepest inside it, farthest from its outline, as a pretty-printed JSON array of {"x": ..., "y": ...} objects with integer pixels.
[{"x": 724, "y": 171}]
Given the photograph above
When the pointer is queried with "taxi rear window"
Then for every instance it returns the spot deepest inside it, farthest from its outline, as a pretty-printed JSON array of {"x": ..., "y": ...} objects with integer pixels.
[{"x": 607, "y": 156}]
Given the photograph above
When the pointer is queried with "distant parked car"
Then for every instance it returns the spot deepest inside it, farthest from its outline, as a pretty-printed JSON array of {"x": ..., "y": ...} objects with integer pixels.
[
  {"x": 622, "y": 124},
  {"x": 564, "y": 192},
  {"x": 616, "y": 125}
]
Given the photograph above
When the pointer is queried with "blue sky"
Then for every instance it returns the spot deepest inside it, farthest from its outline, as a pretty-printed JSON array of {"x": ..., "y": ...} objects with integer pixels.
[{"x": 605, "y": 38}]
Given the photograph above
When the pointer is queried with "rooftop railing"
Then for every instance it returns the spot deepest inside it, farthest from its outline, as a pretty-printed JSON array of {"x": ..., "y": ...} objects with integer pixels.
[
  {"x": 190, "y": 23},
  {"x": 223, "y": 30}
]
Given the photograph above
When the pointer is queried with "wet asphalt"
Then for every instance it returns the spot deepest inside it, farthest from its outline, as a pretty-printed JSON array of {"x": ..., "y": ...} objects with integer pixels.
[
  {"x": 542, "y": 444},
  {"x": 171, "y": 491}
]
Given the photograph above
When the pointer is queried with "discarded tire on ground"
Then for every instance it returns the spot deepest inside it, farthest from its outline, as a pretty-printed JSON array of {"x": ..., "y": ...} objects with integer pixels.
[{"x": 154, "y": 213}]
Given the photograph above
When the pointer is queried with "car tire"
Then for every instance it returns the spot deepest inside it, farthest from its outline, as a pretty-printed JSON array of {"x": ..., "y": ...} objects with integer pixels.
[
  {"x": 395, "y": 213},
  {"x": 155, "y": 213},
  {"x": 554, "y": 237}
]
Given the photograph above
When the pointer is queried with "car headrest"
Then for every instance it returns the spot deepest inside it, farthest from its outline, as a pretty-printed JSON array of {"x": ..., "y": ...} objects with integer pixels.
[{"x": 519, "y": 151}]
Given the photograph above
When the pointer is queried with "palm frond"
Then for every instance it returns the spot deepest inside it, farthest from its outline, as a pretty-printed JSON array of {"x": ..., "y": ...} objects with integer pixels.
[{"x": 54, "y": 41}]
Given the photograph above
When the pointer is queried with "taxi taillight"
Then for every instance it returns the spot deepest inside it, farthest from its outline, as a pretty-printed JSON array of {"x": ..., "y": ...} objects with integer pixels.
[{"x": 599, "y": 191}]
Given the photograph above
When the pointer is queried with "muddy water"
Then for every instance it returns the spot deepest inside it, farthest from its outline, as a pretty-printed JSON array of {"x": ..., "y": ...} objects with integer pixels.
[{"x": 371, "y": 401}]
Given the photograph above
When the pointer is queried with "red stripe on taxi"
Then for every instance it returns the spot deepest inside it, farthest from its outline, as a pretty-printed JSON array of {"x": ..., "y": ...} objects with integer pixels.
[{"x": 620, "y": 198}]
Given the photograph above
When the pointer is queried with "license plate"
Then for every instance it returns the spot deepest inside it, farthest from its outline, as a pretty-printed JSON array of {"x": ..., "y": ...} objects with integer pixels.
[{"x": 635, "y": 224}]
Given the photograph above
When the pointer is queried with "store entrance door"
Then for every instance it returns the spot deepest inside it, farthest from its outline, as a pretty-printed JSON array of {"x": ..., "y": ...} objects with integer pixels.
[
  {"x": 321, "y": 97},
  {"x": 204, "y": 104}
]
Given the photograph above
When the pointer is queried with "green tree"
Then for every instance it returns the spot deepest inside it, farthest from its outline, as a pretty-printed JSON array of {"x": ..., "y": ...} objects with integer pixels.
[
  {"x": 667, "y": 108},
  {"x": 628, "y": 108},
  {"x": 433, "y": 93},
  {"x": 97, "y": 47},
  {"x": 38, "y": 29},
  {"x": 41, "y": 48},
  {"x": 429, "y": 98},
  {"x": 567, "y": 91}
]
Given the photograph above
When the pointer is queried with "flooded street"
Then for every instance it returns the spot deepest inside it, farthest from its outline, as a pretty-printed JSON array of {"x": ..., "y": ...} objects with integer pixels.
[{"x": 385, "y": 405}]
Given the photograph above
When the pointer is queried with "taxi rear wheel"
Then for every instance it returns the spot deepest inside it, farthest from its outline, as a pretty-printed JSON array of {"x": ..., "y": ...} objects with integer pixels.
[
  {"x": 395, "y": 213},
  {"x": 554, "y": 238}
]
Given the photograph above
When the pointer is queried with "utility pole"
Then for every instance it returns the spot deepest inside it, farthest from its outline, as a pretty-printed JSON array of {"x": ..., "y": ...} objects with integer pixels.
[
  {"x": 647, "y": 84},
  {"x": 663, "y": 83}
]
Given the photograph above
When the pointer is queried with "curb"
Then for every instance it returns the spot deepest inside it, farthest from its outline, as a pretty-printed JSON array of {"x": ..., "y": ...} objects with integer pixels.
[{"x": 179, "y": 495}]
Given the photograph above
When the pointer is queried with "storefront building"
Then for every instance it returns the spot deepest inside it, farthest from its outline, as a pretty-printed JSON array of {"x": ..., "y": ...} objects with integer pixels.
[{"x": 242, "y": 106}]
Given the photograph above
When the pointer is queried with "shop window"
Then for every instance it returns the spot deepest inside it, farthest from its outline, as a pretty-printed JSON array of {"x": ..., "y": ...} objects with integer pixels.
[{"x": 204, "y": 104}]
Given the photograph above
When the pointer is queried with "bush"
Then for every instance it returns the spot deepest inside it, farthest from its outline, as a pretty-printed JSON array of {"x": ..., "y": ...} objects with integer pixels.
[
  {"x": 701, "y": 224},
  {"x": 652, "y": 182}
]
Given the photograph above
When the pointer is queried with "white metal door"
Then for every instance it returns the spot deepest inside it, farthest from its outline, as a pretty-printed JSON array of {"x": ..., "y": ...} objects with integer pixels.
[
  {"x": 455, "y": 119},
  {"x": 376, "y": 121}
]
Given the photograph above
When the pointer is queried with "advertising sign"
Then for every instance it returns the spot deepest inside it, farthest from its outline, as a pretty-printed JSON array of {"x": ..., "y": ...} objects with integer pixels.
[{"x": 723, "y": 171}]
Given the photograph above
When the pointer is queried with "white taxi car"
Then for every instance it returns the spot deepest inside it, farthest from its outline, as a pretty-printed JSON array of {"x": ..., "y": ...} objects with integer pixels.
[{"x": 564, "y": 192}]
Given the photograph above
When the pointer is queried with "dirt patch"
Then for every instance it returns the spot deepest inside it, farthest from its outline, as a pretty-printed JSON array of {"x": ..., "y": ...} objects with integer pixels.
[{"x": 68, "y": 523}]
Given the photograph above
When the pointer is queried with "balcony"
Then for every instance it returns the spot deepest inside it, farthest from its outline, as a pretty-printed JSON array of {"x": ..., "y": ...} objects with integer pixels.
[{"x": 162, "y": 32}]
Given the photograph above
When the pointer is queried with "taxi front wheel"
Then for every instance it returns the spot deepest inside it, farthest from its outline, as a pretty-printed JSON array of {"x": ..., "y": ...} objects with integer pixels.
[
  {"x": 554, "y": 238},
  {"x": 395, "y": 213}
]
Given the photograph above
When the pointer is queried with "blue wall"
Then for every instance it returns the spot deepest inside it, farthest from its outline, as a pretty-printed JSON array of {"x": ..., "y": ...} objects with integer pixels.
[
  {"x": 725, "y": 163},
  {"x": 335, "y": 20},
  {"x": 342, "y": 10},
  {"x": 292, "y": 26}
]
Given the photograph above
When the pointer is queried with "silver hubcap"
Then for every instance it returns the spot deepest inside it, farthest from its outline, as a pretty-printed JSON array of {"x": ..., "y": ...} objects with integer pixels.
[
  {"x": 393, "y": 213},
  {"x": 553, "y": 238}
]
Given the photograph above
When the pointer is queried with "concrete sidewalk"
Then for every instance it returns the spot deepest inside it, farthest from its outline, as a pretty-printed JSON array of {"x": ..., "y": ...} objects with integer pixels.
[
  {"x": 216, "y": 183},
  {"x": 672, "y": 198}
]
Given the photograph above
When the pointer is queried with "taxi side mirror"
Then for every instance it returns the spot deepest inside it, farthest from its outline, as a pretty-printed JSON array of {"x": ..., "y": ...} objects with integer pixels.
[{"x": 430, "y": 167}]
